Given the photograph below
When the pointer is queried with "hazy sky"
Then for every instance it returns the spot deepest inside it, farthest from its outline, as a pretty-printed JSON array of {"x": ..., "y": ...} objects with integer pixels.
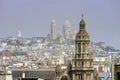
[{"x": 33, "y": 18}]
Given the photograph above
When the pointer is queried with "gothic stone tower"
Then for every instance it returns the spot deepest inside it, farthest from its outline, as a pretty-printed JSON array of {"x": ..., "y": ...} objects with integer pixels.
[
  {"x": 82, "y": 61},
  {"x": 53, "y": 29}
]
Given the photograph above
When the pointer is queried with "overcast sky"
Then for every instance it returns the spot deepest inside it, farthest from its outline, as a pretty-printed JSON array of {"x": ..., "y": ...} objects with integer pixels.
[{"x": 33, "y": 18}]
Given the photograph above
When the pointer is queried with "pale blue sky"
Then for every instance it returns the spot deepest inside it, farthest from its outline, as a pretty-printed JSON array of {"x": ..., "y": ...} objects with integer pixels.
[{"x": 33, "y": 17}]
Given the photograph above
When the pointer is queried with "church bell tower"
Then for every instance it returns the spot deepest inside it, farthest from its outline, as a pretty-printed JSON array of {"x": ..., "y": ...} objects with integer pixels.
[{"x": 82, "y": 61}]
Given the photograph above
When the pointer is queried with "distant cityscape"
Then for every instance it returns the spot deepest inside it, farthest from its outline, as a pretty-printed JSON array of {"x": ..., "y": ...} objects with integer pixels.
[{"x": 21, "y": 55}]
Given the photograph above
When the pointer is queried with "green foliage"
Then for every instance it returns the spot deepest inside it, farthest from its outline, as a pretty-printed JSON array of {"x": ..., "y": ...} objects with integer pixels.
[{"x": 16, "y": 53}]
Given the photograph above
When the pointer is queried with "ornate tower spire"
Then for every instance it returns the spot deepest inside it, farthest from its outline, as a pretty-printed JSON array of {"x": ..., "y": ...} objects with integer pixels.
[
  {"x": 82, "y": 24},
  {"x": 82, "y": 34},
  {"x": 82, "y": 16},
  {"x": 82, "y": 61}
]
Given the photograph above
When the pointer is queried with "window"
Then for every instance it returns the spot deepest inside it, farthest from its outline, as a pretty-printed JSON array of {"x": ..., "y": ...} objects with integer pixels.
[
  {"x": 79, "y": 47},
  {"x": 84, "y": 47},
  {"x": 75, "y": 63},
  {"x": 82, "y": 64},
  {"x": 83, "y": 37}
]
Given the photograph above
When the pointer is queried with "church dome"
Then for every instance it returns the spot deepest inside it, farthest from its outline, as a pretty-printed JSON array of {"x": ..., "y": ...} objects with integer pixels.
[
  {"x": 66, "y": 23},
  {"x": 53, "y": 20},
  {"x": 82, "y": 22},
  {"x": 82, "y": 35}
]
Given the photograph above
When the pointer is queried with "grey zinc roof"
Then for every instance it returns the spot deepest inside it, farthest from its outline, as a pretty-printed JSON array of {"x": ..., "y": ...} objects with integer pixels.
[
  {"x": 104, "y": 75},
  {"x": 49, "y": 75}
]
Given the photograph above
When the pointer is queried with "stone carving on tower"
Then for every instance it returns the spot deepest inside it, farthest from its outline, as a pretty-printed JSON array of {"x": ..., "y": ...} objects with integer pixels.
[
  {"x": 82, "y": 61},
  {"x": 53, "y": 29},
  {"x": 66, "y": 29}
]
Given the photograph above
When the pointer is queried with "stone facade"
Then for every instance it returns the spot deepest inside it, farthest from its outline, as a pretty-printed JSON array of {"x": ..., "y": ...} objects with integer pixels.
[
  {"x": 81, "y": 67},
  {"x": 82, "y": 61}
]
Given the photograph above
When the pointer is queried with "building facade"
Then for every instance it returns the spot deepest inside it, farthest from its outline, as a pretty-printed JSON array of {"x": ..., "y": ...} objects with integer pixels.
[
  {"x": 82, "y": 61},
  {"x": 116, "y": 72}
]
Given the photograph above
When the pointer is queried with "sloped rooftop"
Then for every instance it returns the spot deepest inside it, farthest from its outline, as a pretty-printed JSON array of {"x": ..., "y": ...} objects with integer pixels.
[{"x": 44, "y": 74}]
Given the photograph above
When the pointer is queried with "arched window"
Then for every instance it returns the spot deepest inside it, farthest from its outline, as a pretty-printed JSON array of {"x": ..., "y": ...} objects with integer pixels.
[
  {"x": 82, "y": 64},
  {"x": 79, "y": 47},
  {"x": 83, "y": 37},
  {"x": 84, "y": 47}
]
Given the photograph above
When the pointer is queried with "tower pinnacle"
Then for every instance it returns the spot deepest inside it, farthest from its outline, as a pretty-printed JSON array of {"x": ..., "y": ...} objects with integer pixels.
[
  {"x": 82, "y": 24},
  {"x": 82, "y": 15}
]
